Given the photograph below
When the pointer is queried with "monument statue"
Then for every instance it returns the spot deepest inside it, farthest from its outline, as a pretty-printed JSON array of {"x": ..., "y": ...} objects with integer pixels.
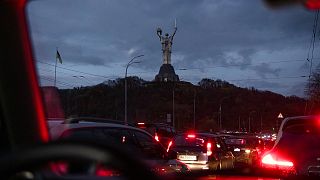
[
  {"x": 166, "y": 42},
  {"x": 166, "y": 72}
]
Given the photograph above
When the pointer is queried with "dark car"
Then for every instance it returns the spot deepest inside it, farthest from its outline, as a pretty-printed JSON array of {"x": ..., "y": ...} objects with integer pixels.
[
  {"x": 297, "y": 148},
  {"x": 161, "y": 132},
  {"x": 132, "y": 140},
  {"x": 202, "y": 151},
  {"x": 246, "y": 149}
]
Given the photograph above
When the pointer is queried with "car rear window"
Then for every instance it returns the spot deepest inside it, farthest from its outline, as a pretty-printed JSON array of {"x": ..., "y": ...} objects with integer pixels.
[
  {"x": 303, "y": 129},
  {"x": 235, "y": 141},
  {"x": 189, "y": 142}
]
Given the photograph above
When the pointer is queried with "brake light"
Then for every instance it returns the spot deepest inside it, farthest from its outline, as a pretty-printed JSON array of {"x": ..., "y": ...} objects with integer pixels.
[
  {"x": 103, "y": 172},
  {"x": 156, "y": 137},
  {"x": 209, "y": 151},
  {"x": 140, "y": 123},
  {"x": 191, "y": 136},
  {"x": 170, "y": 144},
  {"x": 242, "y": 141},
  {"x": 59, "y": 167},
  {"x": 312, "y": 4},
  {"x": 270, "y": 160}
]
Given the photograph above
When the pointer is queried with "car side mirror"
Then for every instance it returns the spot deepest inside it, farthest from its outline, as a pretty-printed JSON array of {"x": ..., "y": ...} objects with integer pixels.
[{"x": 172, "y": 154}]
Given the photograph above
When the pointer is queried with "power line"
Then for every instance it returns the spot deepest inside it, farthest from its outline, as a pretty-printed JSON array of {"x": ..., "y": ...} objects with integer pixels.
[
  {"x": 96, "y": 75},
  {"x": 59, "y": 82},
  {"x": 230, "y": 65},
  {"x": 44, "y": 71},
  {"x": 311, "y": 48},
  {"x": 257, "y": 79},
  {"x": 314, "y": 32}
]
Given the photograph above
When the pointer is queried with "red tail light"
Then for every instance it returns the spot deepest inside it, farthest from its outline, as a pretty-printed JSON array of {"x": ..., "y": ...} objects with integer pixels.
[
  {"x": 312, "y": 4},
  {"x": 170, "y": 144},
  {"x": 156, "y": 137},
  {"x": 102, "y": 171},
  {"x": 191, "y": 136},
  {"x": 268, "y": 159},
  {"x": 209, "y": 150}
]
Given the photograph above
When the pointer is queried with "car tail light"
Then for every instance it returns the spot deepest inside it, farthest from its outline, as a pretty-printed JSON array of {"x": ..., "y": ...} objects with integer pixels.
[
  {"x": 59, "y": 167},
  {"x": 191, "y": 135},
  {"x": 312, "y": 4},
  {"x": 169, "y": 145},
  {"x": 209, "y": 150},
  {"x": 156, "y": 137},
  {"x": 270, "y": 160},
  {"x": 102, "y": 171}
]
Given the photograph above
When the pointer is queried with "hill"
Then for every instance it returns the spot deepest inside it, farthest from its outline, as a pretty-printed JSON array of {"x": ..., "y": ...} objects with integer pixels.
[{"x": 153, "y": 102}]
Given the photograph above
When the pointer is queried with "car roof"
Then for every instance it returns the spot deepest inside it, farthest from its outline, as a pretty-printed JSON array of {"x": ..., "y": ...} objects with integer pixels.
[
  {"x": 201, "y": 134},
  {"x": 290, "y": 119},
  {"x": 56, "y": 129}
]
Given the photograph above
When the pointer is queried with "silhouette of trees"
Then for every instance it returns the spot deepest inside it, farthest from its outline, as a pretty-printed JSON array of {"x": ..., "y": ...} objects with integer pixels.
[{"x": 152, "y": 101}]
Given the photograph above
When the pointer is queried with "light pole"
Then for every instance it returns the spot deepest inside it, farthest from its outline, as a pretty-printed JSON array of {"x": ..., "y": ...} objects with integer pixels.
[
  {"x": 194, "y": 110},
  {"x": 249, "y": 129},
  {"x": 125, "y": 87},
  {"x": 220, "y": 112},
  {"x": 173, "y": 120}
]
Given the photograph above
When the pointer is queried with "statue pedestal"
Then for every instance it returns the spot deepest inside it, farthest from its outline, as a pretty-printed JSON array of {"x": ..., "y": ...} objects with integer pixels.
[{"x": 166, "y": 73}]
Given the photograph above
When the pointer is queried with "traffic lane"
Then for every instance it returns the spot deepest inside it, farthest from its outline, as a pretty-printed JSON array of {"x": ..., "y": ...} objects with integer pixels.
[{"x": 239, "y": 173}]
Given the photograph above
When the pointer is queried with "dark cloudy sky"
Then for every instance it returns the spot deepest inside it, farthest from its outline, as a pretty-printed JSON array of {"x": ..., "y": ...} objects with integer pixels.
[{"x": 240, "y": 41}]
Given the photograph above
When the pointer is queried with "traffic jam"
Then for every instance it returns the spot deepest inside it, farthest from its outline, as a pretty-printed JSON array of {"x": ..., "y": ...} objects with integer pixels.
[{"x": 181, "y": 154}]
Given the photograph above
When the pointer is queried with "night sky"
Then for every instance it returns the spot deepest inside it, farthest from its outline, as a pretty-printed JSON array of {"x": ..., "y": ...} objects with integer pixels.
[{"x": 240, "y": 41}]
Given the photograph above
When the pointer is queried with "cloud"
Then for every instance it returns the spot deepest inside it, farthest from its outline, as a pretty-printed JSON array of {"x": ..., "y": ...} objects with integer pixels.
[{"x": 210, "y": 33}]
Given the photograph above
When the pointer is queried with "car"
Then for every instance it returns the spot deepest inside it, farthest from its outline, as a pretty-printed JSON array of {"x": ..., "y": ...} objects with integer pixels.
[
  {"x": 297, "y": 149},
  {"x": 246, "y": 149},
  {"x": 202, "y": 151},
  {"x": 133, "y": 141},
  {"x": 162, "y": 132}
]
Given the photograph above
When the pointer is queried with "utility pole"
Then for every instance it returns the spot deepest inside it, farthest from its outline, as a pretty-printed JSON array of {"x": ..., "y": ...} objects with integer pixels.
[
  {"x": 173, "y": 119},
  {"x": 249, "y": 130},
  {"x": 125, "y": 88},
  {"x": 239, "y": 119},
  {"x": 194, "y": 110},
  {"x": 260, "y": 123}
]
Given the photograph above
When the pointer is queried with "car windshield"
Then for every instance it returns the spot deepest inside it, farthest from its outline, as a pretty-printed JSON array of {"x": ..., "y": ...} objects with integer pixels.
[{"x": 229, "y": 68}]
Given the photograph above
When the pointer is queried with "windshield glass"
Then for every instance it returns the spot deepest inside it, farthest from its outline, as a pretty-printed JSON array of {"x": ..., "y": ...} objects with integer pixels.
[
  {"x": 232, "y": 68},
  {"x": 191, "y": 142}
]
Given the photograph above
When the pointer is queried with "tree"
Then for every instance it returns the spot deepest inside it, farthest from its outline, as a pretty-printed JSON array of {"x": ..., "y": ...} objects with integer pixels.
[{"x": 313, "y": 87}]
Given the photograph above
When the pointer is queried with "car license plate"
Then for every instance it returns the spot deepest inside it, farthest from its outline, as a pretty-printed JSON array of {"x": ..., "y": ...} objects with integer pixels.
[{"x": 187, "y": 157}]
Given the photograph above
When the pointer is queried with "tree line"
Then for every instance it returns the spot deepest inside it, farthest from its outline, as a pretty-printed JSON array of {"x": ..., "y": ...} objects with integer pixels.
[{"x": 207, "y": 103}]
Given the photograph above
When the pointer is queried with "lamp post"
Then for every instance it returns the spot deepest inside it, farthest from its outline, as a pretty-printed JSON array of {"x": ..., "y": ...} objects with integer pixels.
[
  {"x": 173, "y": 120},
  {"x": 249, "y": 129},
  {"x": 220, "y": 112},
  {"x": 194, "y": 110},
  {"x": 125, "y": 87}
]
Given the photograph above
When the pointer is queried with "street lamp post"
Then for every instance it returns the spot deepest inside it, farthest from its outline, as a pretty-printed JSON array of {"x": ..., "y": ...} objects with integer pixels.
[
  {"x": 194, "y": 110},
  {"x": 220, "y": 112},
  {"x": 125, "y": 87},
  {"x": 249, "y": 129},
  {"x": 173, "y": 120}
]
